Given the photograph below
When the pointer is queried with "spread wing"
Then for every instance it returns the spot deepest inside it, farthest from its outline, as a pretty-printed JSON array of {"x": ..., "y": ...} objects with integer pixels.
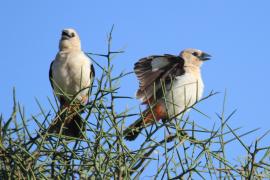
[{"x": 153, "y": 70}]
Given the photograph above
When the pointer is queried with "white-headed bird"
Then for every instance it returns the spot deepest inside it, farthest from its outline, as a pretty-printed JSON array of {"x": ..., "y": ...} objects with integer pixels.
[
  {"x": 71, "y": 76},
  {"x": 168, "y": 85}
]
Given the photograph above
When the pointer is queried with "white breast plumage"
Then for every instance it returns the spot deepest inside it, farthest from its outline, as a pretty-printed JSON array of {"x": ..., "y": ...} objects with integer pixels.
[
  {"x": 71, "y": 73},
  {"x": 185, "y": 91}
]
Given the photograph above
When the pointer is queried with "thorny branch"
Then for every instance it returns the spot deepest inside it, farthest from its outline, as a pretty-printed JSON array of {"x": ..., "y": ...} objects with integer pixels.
[{"x": 186, "y": 150}]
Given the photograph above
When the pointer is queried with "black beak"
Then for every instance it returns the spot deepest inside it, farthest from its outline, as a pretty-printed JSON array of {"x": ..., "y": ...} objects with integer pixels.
[
  {"x": 66, "y": 34},
  {"x": 205, "y": 56}
]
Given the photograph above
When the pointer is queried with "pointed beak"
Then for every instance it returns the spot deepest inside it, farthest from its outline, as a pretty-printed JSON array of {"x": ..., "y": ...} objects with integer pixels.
[
  {"x": 205, "y": 56},
  {"x": 66, "y": 34}
]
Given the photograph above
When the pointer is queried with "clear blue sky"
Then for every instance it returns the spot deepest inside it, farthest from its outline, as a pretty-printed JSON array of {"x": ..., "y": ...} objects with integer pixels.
[{"x": 235, "y": 33}]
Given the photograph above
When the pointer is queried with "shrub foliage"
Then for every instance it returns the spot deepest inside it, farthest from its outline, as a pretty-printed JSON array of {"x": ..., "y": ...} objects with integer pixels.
[{"x": 177, "y": 149}]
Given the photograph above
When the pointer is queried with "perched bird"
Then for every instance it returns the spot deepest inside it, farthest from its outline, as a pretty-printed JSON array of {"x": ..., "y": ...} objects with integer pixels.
[
  {"x": 169, "y": 85},
  {"x": 71, "y": 77}
]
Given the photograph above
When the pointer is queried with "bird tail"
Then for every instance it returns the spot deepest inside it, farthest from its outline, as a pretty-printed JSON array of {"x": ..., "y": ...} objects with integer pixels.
[
  {"x": 148, "y": 117},
  {"x": 68, "y": 122},
  {"x": 132, "y": 132}
]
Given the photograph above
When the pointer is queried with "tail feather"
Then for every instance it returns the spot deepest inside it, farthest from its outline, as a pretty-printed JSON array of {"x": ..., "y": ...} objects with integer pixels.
[
  {"x": 149, "y": 117},
  {"x": 132, "y": 132},
  {"x": 68, "y": 123}
]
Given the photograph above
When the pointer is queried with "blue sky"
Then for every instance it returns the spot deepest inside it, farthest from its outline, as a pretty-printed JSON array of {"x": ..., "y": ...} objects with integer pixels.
[{"x": 235, "y": 33}]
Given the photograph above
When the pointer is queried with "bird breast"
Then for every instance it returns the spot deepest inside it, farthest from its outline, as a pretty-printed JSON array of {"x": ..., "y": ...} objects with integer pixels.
[
  {"x": 184, "y": 92},
  {"x": 71, "y": 72}
]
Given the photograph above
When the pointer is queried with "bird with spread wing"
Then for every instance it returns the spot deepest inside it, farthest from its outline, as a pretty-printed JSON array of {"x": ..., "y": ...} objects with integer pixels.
[
  {"x": 168, "y": 85},
  {"x": 71, "y": 76}
]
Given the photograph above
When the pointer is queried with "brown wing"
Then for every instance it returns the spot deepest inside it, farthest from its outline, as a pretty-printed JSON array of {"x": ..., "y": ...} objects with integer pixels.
[{"x": 153, "y": 70}]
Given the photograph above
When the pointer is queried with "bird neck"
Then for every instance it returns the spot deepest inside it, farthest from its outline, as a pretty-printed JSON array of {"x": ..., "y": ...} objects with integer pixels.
[
  {"x": 192, "y": 69},
  {"x": 69, "y": 45},
  {"x": 69, "y": 49}
]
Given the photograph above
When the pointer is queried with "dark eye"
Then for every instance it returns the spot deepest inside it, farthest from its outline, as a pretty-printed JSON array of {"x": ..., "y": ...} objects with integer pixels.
[
  {"x": 73, "y": 34},
  {"x": 195, "y": 54}
]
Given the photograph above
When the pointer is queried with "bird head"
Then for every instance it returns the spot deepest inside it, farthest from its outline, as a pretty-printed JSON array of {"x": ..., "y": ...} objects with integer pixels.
[
  {"x": 69, "y": 40},
  {"x": 194, "y": 57}
]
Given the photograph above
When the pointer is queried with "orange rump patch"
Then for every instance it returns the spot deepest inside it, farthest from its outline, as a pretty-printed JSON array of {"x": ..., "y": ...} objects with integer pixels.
[{"x": 157, "y": 113}]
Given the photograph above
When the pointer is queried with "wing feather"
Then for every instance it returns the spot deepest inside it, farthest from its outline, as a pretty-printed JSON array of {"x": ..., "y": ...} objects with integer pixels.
[
  {"x": 51, "y": 74},
  {"x": 92, "y": 77},
  {"x": 153, "y": 70}
]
